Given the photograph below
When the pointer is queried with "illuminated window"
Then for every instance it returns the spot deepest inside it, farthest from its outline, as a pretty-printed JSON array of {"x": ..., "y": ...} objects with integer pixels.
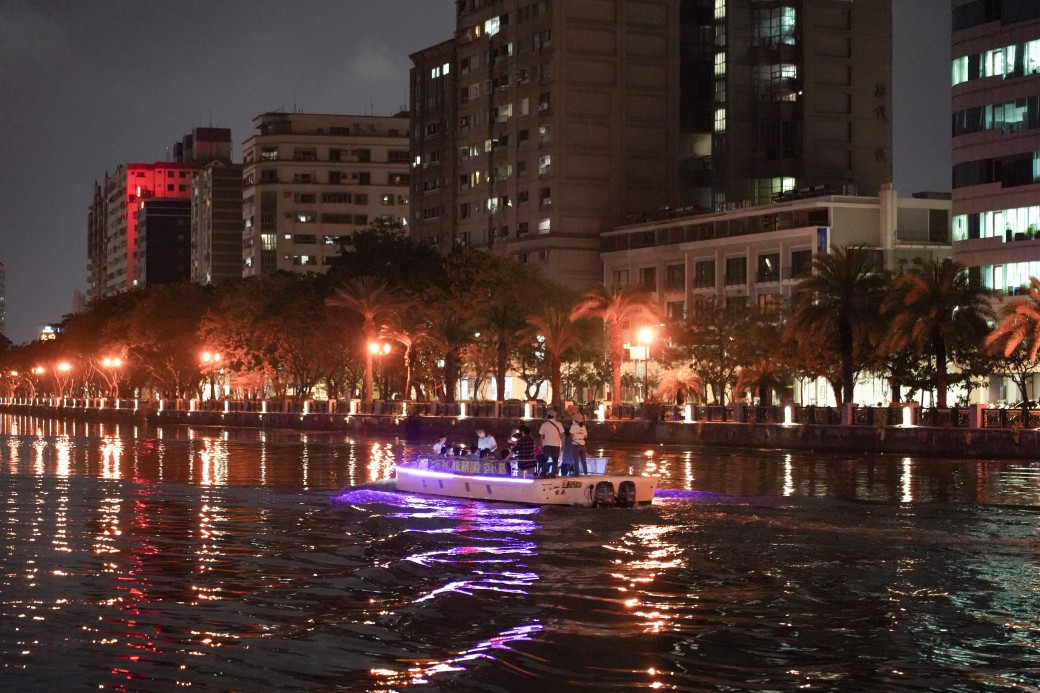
[
  {"x": 720, "y": 9},
  {"x": 773, "y": 26},
  {"x": 720, "y": 64},
  {"x": 720, "y": 120},
  {"x": 960, "y": 70},
  {"x": 544, "y": 226}
]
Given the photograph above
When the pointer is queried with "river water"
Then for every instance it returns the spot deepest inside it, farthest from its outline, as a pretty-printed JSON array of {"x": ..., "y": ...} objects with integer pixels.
[{"x": 143, "y": 559}]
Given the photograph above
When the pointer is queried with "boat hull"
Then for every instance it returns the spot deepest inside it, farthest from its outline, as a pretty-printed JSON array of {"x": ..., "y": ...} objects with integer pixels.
[{"x": 588, "y": 490}]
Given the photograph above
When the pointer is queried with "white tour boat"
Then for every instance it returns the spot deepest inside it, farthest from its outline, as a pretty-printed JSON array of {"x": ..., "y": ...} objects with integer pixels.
[{"x": 494, "y": 480}]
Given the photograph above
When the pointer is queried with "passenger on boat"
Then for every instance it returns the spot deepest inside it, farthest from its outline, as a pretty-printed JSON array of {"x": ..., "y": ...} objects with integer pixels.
[
  {"x": 578, "y": 450},
  {"x": 441, "y": 447},
  {"x": 523, "y": 450},
  {"x": 485, "y": 443},
  {"x": 551, "y": 436}
]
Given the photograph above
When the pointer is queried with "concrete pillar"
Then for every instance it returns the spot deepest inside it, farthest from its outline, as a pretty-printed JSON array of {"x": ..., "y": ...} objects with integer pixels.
[
  {"x": 848, "y": 413},
  {"x": 976, "y": 415}
]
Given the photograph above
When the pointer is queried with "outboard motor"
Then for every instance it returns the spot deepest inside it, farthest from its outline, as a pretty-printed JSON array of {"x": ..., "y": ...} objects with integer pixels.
[
  {"x": 603, "y": 496},
  {"x": 626, "y": 494}
]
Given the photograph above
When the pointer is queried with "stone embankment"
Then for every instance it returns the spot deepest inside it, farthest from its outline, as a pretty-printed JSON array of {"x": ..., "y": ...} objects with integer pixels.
[{"x": 933, "y": 441}]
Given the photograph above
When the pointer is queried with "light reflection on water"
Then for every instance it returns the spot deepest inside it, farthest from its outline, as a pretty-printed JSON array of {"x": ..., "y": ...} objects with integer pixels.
[{"x": 147, "y": 559}]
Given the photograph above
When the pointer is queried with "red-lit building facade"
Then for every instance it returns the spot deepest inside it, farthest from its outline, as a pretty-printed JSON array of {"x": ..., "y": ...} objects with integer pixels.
[
  {"x": 113, "y": 234},
  {"x": 113, "y": 230}
]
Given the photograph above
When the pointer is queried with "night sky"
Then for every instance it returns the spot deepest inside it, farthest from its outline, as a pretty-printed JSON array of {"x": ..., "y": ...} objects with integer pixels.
[{"x": 88, "y": 84}]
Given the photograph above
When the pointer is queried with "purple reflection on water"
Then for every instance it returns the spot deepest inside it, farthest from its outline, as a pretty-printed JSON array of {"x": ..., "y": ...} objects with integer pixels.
[{"x": 367, "y": 495}]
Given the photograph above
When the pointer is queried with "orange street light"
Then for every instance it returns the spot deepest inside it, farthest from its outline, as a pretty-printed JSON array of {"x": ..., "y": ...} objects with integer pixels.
[
  {"x": 645, "y": 336},
  {"x": 112, "y": 363}
]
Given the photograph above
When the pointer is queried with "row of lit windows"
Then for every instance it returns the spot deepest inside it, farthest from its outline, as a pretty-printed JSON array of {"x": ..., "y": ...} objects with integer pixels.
[
  {"x": 1014, "y": 224},
  {"x": 1014, "y": 116},
  {"x": 1007, "y": 61},
  {"x": 500, "y": 203},
  {"x": 1010, "y": 278}
]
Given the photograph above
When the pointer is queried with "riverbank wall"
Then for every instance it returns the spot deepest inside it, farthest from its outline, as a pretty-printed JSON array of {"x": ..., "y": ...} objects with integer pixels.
[{"x": 931, "y": 441}]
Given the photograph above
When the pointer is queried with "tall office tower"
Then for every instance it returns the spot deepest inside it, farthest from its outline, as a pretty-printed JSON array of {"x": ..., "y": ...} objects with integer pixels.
[
  {"x": 543, "y": 124},
  {"x": 310, "y": 180},
  {"x": 112, "y": 220},
  {"x": 164, "y": 241},
  {"x": 802, "y": 98},
  {"x": 216, "y": 223},
  {"x": 996, "y": 140}
]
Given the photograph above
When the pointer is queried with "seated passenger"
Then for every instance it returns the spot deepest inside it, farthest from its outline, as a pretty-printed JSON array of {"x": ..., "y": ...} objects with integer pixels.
[{"x": 485, "y": 443}]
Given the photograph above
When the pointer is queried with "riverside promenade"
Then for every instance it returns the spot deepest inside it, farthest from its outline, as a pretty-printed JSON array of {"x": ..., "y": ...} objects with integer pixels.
[{"x": 976, "y": 432}]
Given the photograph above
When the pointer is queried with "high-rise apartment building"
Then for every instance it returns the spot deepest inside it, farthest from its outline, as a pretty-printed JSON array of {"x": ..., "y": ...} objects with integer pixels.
[
  {"x": 801, "y": 99},
  {"x": 112, "y": 220},
  {"x": 310, "y": 180},
  {"x": 543, "y": 124},
  {"x": 216, "y": 223},
  {"x": 996, "y": 140}
]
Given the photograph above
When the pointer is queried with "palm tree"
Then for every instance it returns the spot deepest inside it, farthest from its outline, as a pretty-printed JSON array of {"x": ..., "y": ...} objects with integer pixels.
[
  {"x": 679, "y": 385},
  {"x": 935, "y": 304},
  {"x": 449, "y": 332},
  {"x": 1020, "y": 322},
  {"x": 839, "y": 301},
  {"x": 504, "y": 321},
  {"x": 373, "y": 300},
  {"x": 405, "y": 330},
  {"x": 618, "y": 311},
  {"x": 560, "y": 335}
]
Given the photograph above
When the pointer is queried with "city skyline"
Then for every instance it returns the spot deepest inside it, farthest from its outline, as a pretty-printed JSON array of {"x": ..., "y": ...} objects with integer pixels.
[{"x": 78, "y": 107}]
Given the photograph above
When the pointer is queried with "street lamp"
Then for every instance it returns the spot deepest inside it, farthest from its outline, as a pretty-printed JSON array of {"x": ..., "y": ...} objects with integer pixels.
[
  {"x": 113, "y": 364},
  {"x": 645, "y": 336},
  {"x": 61, "y": 372},
  {"x": 211, "y": 360},
  {"x": 379, "y": 349}
]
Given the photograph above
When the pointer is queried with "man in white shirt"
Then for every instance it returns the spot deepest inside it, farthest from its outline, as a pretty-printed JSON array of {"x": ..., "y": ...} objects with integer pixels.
[
  {"x": 485, "y": 443},
  {"x": 551, "y": 435}
]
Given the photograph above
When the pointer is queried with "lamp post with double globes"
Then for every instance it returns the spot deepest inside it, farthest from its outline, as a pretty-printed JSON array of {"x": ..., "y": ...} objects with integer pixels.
[
  {"x": 211, "y": 364},
  {"x": 379, "y": 350},
  {"x": 112, "y": 364}
]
